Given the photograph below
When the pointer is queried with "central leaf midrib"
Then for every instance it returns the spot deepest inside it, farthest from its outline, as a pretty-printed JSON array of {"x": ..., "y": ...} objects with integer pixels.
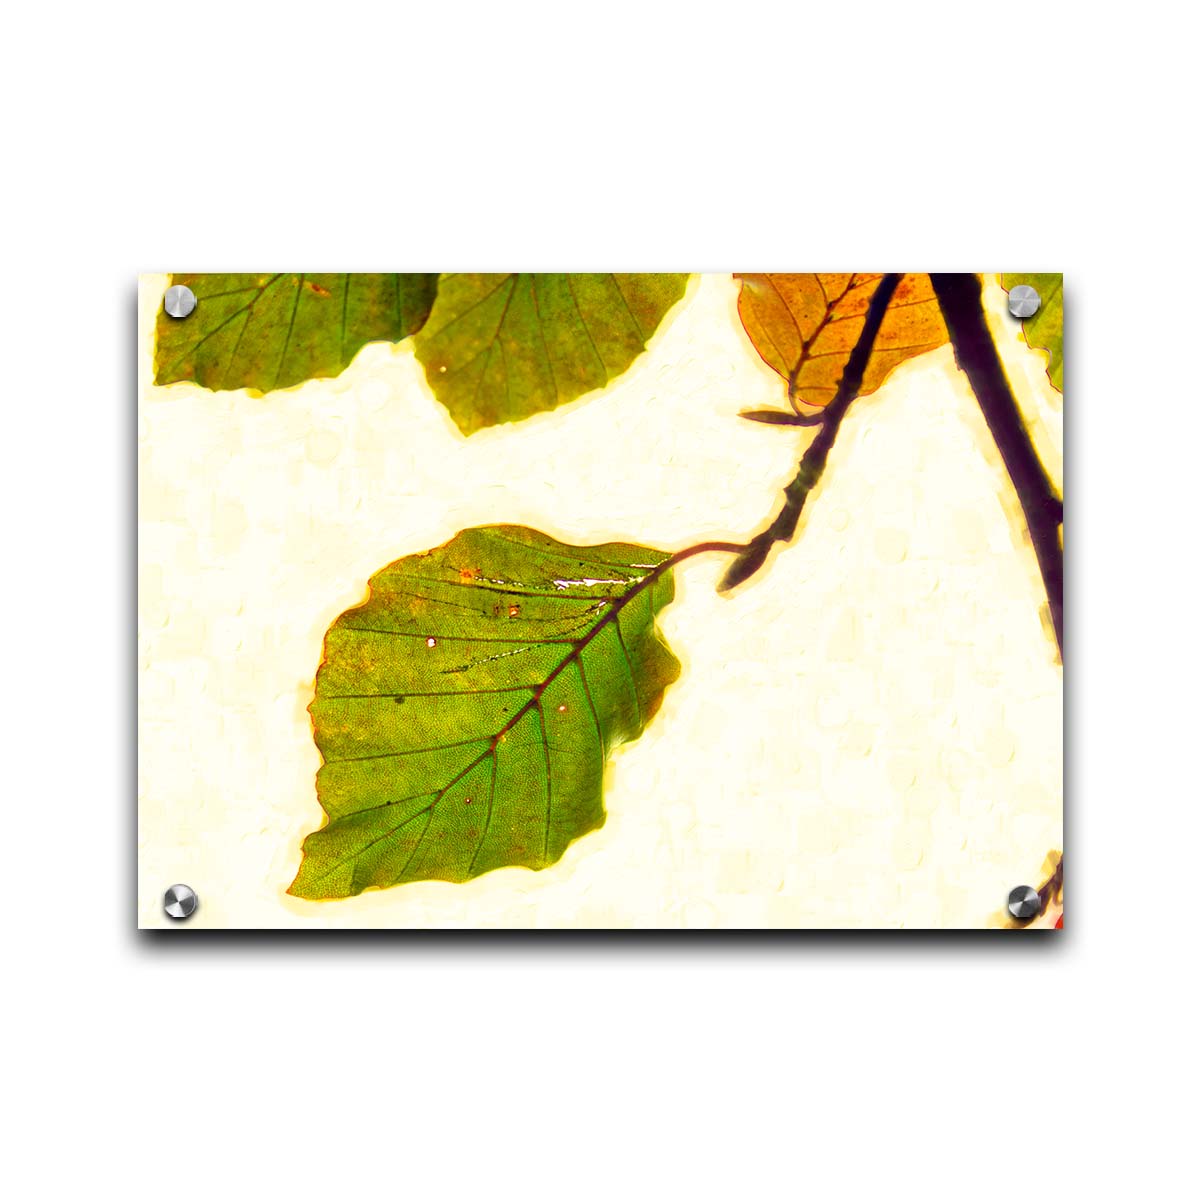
[
  {"x": 575, "y": 654},
  {"x": 579, "y": 645}
]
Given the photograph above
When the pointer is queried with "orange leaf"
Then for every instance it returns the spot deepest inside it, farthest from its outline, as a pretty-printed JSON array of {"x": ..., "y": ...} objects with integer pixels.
[{"x": 805, "y": 326}]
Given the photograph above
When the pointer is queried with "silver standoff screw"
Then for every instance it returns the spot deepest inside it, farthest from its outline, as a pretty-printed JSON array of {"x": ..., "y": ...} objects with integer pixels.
[
  {"x": 1024, "y": 903},
  {"x": 1023, "y": 301},
  {"x": 179, "y": 301},
  {"x": 179, "y": 901}
]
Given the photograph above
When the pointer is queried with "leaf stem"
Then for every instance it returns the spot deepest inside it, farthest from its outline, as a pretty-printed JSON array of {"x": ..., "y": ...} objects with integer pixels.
[
  {"x": 961, "y": 302},
  {"x": 703, "y": 548},
  {"x": 812, "y": 464},
  {"x": 770, "y": 416}
]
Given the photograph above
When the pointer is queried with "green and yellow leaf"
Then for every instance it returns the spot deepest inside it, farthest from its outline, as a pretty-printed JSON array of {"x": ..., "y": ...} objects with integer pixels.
[
  {"x": 273, "y": 331},
  {"x": 502, "y": 347},
  {"x": 805, "y": 326},
  {"x": 1044, "y": 330},
  {"x": 465, "y": 711}
]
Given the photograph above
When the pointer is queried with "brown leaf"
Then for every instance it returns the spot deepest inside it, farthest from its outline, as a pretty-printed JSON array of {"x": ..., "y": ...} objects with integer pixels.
[{"x": 805, "y": 326}]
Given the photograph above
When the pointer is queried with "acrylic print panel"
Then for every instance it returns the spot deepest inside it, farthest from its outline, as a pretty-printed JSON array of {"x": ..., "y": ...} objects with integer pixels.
[{"x": 600, "y": 601}]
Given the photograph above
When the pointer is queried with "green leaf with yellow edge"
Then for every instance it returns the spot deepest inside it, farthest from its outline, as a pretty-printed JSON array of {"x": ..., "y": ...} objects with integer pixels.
[
  {"x": 465, "y": 711},
  {"x": 502, "y": 347},
  {"x": 265, "y": 332},
  {"x": 805, "y": 326},
  {"x": 1044, "y": 330}
]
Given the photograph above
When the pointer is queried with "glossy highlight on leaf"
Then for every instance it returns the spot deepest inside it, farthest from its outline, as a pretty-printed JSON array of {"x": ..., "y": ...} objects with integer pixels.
[
  {"x": 805, "y": 326},
  {"x": 1044, "y": 330},
  {"x": 502, "y": 347},
  {"x": 465, "y": 711},
  {"x": 273, "y": 331}
]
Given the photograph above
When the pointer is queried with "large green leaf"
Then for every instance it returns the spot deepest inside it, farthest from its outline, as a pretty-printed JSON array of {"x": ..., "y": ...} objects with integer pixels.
[
  {"x": 502, "y": 347},
  {"x": 465, "y": 710},
  {"x": 1044, "y": 330},
  {"x": 272, "y": 331}
]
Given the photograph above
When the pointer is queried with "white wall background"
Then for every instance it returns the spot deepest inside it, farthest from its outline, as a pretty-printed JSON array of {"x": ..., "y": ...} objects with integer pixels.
[{"x": 143, "y": 136}]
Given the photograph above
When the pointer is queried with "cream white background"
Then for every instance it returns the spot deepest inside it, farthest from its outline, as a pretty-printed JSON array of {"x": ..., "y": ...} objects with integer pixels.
[
  {"x": 869, "y": 735},
  {"x": 143, "y": 136}
]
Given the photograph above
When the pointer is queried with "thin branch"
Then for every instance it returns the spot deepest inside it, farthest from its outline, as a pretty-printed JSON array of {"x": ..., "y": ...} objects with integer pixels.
[
  {"x": 1052, "y": 888},
  {"x": 812, "y": 464},
  {"x": 960, "y": 298}
]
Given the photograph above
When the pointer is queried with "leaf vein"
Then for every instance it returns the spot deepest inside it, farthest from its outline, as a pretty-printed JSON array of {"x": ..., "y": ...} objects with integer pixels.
[{"x": 291, "y": 325}]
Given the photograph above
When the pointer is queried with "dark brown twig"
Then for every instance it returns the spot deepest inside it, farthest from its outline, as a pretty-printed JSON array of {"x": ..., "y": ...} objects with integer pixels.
[
  {"x": 1052, "y": 888},
  {"x": 812, "y": 464},
  {"x": 960, "y": 298}
]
